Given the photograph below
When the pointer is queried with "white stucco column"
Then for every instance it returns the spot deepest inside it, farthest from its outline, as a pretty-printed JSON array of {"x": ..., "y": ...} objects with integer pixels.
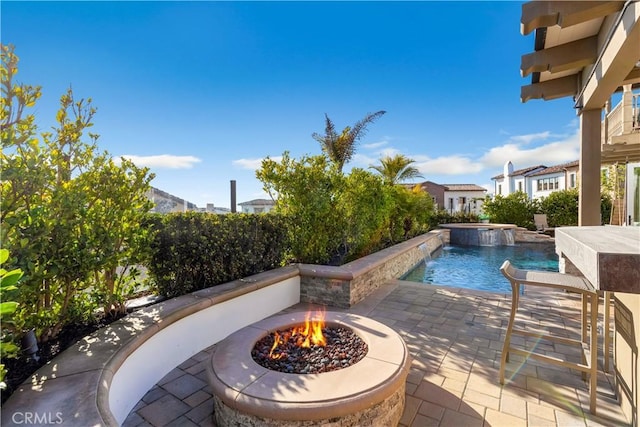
[{"x": 589, "y": 181}]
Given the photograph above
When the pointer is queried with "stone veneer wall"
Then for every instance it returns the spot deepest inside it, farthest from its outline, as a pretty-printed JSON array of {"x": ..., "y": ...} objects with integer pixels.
[
  {"x": 349, "y": 284},
  {"x": 385, "y": 413}
]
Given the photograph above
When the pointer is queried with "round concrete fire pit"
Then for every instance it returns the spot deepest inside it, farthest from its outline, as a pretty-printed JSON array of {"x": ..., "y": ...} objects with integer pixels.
[{"x": 370, "y": 392}]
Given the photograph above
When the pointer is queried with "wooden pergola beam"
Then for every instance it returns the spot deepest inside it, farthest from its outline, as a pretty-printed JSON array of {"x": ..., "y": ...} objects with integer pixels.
[
  {"x": 619, "y": 58},
  {"x": 576, "y": 54},
  {"x": 550, "y": 89},
  {"x": 615, "y": 153},
  {"x": 539, "y": 14}
]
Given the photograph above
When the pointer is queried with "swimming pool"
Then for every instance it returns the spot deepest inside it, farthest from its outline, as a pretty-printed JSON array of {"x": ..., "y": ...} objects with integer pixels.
[{"x": 478, "y": 267}]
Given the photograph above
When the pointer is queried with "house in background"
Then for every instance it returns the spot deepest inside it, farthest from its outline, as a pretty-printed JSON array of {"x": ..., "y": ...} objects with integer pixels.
[
  {"x": 166, "y": 203},
  {"x": 537, "y": 181},
  {"x": 455, "y": 197},
  {"x": 257, "y": 206},
  {"x": 554, "y": 178},
  {"x": 214, "y": 209},
  {"x": 511, "y": 180}
]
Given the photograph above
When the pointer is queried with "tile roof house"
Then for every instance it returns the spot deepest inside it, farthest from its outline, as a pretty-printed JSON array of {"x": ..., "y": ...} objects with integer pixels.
[
  {"x": 455, "y": 197},
  {"x": 536, "y": 181},
  {"x": 257, "y": 206}
]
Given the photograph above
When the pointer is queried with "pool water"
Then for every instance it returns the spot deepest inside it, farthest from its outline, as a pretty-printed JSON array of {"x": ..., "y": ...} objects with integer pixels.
[{"x": 478, "y": 267}]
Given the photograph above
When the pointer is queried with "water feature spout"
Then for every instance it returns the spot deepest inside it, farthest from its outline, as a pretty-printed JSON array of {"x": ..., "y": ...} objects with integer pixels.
[
  {"x": 509, "y": 236},
  {"x": 477, "y": 234},
  {"x": 425, "y": 252},
  {"x": 487, "y": 237}
]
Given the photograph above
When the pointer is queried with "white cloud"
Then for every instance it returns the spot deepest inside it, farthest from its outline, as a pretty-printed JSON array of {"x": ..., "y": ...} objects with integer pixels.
[
  {"x": 448, "y": 165},
  {"x": 364, "y": 160},
  {"x": 563, "y": 150},
  {"x": 389, "y": 152},
  {"x": 374, "y": 145},
  {"x": 374, "y": 156},
  {"x": 253, "y": 164},
  {"x": 523, "y": 150},
  {"x": 162, "y": 161},
  {"x": 528, "y": 138}
]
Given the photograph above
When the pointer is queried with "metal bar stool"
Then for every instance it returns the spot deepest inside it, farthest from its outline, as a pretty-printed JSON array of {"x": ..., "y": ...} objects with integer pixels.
[{"x": 588, "y": 343}]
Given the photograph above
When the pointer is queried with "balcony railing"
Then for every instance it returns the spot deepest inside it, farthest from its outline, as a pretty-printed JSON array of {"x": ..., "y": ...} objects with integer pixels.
[{"x": 623, "y": 119}]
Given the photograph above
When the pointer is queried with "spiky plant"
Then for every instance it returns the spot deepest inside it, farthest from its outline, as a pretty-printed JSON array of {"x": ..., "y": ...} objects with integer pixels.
[
  {"x": 397, "y": 169},
  {"x": 340, "y": 147}
]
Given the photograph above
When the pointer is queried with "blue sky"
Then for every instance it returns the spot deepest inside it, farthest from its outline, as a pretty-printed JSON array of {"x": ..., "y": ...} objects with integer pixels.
[{"x": 201, "y": 91}]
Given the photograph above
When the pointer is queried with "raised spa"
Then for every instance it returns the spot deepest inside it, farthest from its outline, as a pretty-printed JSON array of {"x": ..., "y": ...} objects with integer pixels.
[
  {"x": 481, "y": 234},
  {"x": 370, "y": 392}
]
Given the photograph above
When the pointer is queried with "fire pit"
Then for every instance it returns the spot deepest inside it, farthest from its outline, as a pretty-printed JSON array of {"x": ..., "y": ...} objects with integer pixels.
[{"x": 365, "y": 387}]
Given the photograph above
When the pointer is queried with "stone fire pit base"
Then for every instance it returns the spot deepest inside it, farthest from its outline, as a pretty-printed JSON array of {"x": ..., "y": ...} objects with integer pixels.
[
  {"x": 386, "y": 413},
  {"x": 370, "y": 392}
]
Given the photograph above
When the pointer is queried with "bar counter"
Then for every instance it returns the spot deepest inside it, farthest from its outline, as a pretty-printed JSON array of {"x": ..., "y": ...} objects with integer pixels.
[{"x": 608, "y": 256}]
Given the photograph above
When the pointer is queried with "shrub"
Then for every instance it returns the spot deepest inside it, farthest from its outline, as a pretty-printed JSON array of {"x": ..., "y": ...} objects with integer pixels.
[
  {"x": 192, "y": 251},
  {"x": 516, "y": 208},
  {"x": 561, "y": 207},
  {"x": 411, "y": 214},
  {"x": 442, "y": 216},
  {"x": 69, "y": 214},
  {"x": 606, "y": 205},
  {"x": 336, "y": 217},
  {"x": 8, "y": 290}
]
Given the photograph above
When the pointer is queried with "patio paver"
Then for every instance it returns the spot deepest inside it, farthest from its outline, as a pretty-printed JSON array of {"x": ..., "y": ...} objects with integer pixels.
[{"x": 455, "y": 338}]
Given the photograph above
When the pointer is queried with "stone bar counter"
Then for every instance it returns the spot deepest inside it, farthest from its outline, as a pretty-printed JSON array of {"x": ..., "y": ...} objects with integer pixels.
[{"x": 609, "y": 257}]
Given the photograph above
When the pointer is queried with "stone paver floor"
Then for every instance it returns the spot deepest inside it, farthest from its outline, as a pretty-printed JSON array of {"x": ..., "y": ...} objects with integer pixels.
[{"x": 455, "y": 337}]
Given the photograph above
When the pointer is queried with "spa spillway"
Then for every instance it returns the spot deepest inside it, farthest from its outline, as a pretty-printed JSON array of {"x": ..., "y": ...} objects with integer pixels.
[{"x": 480, "y": 234}]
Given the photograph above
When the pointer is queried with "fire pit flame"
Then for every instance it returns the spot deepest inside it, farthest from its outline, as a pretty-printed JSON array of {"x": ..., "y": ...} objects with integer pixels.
[{"x": 302, "y": 336}]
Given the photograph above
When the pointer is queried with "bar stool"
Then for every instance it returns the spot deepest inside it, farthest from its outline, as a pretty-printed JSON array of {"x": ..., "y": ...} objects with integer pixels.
[{"x": 588, "y": 343}]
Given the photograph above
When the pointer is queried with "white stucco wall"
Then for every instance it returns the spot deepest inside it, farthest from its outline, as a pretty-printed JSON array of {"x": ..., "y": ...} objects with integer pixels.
[
  {"x": 469, "y": 195},
  {"x": 173, "y": 345}
]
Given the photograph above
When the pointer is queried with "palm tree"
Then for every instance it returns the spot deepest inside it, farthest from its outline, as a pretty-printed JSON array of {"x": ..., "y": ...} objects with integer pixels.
[
  {"x": 341, "y": 147},
  {"x": 397, "y": 169}
]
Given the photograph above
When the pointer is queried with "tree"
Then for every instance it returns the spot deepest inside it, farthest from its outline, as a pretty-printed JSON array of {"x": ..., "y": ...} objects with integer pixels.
[
  {"x": 340, "y": 148},
  {"x": 396, "y": 169},
  {"x": 69, "y": 215},
  {"x": 306, "y": 191},
  {"x": 336, "y": 217}
]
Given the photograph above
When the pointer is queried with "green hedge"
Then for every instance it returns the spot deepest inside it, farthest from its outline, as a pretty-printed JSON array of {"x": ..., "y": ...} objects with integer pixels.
[
  {"x": 192, "y": 251},
  {"x": 442, "y": 216}
]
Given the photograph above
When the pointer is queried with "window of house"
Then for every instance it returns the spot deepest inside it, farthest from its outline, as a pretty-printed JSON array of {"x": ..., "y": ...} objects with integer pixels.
[
  {"x": 258, "y": 210},
  {"x": 520, "y": 186},
  {"x": 549, "y": 184},
  {"x": 451, "y": 204},
  {"x": 500, "y": 189},
  {"x": 572, "y": 180}
]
